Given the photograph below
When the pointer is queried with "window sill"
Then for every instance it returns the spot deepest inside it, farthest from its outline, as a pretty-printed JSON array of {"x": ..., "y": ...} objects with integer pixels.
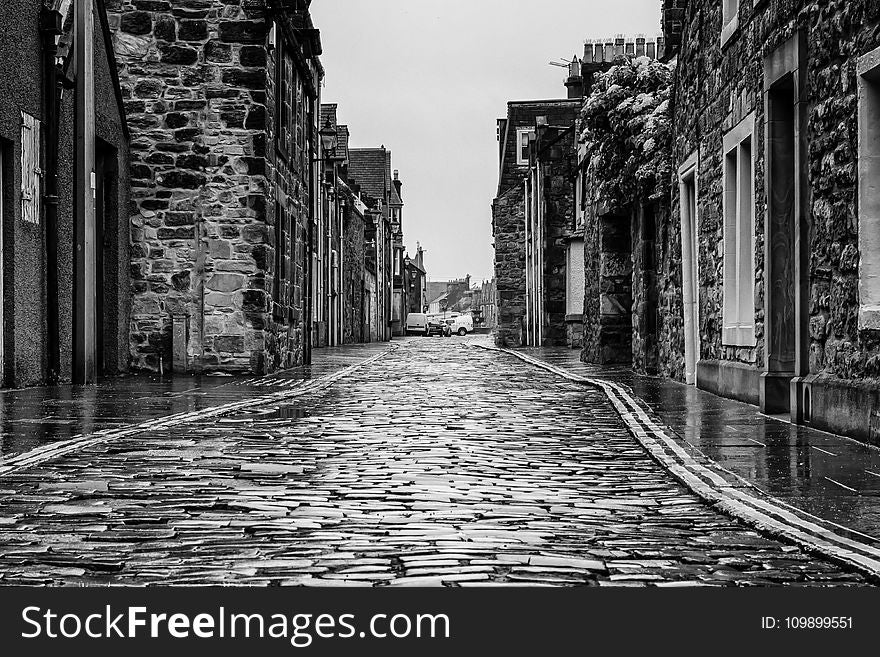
[
  {"x": 738, "y": 336},
  {"x": 729, "y": 30},
  {"x": 869, "y": 318}
]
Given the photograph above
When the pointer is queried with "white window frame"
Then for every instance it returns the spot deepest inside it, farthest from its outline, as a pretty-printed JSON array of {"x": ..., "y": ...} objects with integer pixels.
[
  {"x": 729, "y": 20},
  {"x": 574, "y": 293},
  {"x": 738, "y": 159},
  {"x": 868, "y": 74},
  {"x": 2, "y": 265},
  {"x": 519, "y": 133},
  {"x": 689, "y": 177}
]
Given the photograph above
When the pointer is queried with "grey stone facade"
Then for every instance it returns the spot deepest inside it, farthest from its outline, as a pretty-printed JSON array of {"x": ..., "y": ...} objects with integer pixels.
[
  {"x": 533, "y": 216},
  {"x": 222, "y": 178},
  {"x": 792, "y": 65}
]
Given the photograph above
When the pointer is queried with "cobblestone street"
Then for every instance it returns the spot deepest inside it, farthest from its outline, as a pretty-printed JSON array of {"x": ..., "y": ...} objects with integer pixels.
[{"x": 439, "y": 463}]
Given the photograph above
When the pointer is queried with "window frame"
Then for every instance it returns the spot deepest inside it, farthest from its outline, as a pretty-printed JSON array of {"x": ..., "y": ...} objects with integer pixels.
[
  {"x": 689, "y": 215},
  {"x": 868, "y": 201},
  {"x": 574, "y": 305},
  {"x": 285, "y": 87},
  {"x": 520, "y": 161},
  {"x": 729, "y": 19},
  {"x": 738, "y": 161}
]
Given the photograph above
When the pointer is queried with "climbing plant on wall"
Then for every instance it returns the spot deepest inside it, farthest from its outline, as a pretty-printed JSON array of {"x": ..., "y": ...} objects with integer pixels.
[{"x": 626, "y": 128}]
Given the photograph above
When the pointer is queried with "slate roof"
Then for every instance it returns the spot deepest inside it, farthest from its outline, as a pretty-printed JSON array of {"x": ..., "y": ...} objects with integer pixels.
[
  {"x": 410, "y": 262},
  {"x": 344, "y": 137},
  {"x": 436, "y": 289},
  {"x": 371, "y": 169},
  {"x": 66, "y": 53},
  {"x": 328, "y": 110}
]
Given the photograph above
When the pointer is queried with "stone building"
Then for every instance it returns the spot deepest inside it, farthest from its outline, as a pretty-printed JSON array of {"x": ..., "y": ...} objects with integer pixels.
[
  {"x": 328, "y": 252},
  {"x": 64, "y": 195},
  {"x": 775, "y": 214},
  {"x": 617, "y": 216},
  {"x": 416, "y": 279},
  {"x": 487, "y": 306},
  {"x": 354, "y": 286},
  {"x": 538, "y": 241},
  {"x": 222, "y": 98},
  {"x": 370, "y": 174}
]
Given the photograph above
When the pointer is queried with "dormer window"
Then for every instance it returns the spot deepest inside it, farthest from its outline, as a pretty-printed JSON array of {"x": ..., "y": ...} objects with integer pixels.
[{"x": 523, "y": 137}]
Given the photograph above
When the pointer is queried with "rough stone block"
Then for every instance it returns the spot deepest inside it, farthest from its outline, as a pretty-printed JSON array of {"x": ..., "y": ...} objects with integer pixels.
[
  {"x": 137, "y": 22},
  {"x": 225, "y": 282}
]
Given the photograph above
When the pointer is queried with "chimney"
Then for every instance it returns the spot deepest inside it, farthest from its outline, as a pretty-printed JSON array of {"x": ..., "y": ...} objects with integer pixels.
[
  {"x": 397, "y": 184},
  {"x": 674, "y": 13},
  {"x": 575, "y": 81}
]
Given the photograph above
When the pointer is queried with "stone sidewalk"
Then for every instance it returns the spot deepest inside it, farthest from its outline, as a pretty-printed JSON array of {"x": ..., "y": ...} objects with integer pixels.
[
  {"x": 437, "y": 464},
  {"x": 832, "y": 477},
  {"x": 34, "y": 417}
]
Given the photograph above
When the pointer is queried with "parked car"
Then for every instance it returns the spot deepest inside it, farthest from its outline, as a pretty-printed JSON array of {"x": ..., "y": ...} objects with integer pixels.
[
  {"x": 437, "y": 326},
  {"x": 416, "y": 323},
  {"x": 462, "y": 325}
]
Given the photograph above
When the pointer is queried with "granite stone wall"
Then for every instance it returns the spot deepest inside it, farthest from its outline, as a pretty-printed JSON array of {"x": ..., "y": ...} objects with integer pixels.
[
  {"x": 508, "y": 219},
  {"x": 717, "y": 85},
  {"x": 559, "y": 219},
  {"x": 353, "y": 287},
  {"x": 199, "y": 90}
]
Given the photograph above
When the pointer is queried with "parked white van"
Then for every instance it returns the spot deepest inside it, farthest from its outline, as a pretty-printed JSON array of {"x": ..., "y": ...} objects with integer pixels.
[
  {"x": 417, "y": 323},
  {"x": 461, "y": 324}
]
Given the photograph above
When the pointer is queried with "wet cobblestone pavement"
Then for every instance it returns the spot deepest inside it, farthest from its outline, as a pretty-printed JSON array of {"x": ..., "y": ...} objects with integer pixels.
[{"x": 438, "y": 464}]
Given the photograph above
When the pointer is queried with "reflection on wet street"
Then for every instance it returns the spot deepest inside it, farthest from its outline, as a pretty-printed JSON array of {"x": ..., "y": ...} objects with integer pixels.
[
  {"x": 835, "y": 478},
  {"x": 32, "y": 417},
  {"x": 437, "y": 464}
]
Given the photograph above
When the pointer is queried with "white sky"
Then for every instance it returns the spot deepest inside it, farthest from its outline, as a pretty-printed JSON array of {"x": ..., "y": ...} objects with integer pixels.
[{"x": 428, "y": 79}]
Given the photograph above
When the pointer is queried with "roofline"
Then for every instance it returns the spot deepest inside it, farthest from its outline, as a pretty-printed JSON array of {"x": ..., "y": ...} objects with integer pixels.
[
  {"x": 114, "y": 68},
  {"x": 551, "y": 100}
]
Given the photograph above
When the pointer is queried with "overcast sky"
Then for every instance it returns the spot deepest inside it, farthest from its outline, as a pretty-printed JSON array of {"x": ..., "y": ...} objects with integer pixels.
[{"x": 429, "y": 79}]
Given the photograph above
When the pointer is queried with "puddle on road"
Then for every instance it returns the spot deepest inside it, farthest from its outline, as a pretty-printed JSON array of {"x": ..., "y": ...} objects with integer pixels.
[
  {"x": 277, "y": 413},
  {"x": 289, "y": 413}
]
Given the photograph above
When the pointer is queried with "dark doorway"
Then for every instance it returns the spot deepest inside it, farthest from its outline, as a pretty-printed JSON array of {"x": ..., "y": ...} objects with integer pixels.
[
  {"x": 645, "y": 234},
  {"x": 616, "y": 293},
  {"x": 780, "y": 247}
]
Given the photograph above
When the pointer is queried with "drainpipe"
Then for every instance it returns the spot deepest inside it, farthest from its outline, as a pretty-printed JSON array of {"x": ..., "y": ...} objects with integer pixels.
[{"x": 50, "y": 29}]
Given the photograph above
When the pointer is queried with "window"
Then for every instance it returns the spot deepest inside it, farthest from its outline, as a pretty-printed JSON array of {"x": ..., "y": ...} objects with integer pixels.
[
  {"x": 523, "y": 137},
  {"x": 869, "y": 190},
  {"x": 575, "y": 288},
  {"x": 299, "y": 120},
  {"x": 286, "y": 102},
  {"x": 739, "y": 236},
  {"x": 688, "y": 200},
  {"x": 729, "y": 20}
]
